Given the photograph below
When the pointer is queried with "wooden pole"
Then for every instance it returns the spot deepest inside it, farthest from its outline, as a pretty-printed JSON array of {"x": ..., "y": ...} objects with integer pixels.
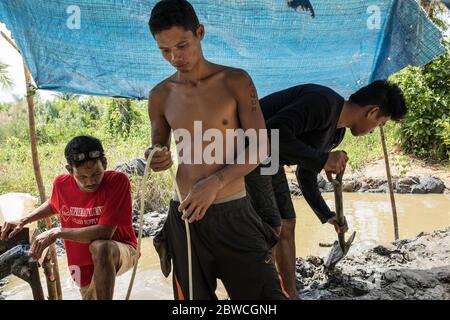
[
  {"x": 51, "y": 269},
  {"x": 35, "y": 282},
  {"x": 50, "y": 265},
  {"x": 389, "y": 179}
]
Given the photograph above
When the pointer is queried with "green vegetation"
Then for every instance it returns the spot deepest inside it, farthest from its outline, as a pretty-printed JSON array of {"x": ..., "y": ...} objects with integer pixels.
[
  {"x": 362, "y": 150},
  {"x": 425, "y": 131},
  {"x": 5, "y": 80}
]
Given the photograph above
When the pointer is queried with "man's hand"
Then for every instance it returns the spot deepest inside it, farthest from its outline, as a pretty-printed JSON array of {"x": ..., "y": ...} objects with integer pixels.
[
  {"x": 336, "y": 163},
  {"x": 201, "y": 196},
  {"x": 162, "y": 160},
  {"x": 42, "y": 241},
  {"x": 339, "y": 228},
  {"x": 10, "y": 229}
]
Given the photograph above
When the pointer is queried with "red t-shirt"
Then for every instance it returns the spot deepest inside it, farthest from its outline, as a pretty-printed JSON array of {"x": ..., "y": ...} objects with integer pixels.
[{"x": 109, "y": 205}]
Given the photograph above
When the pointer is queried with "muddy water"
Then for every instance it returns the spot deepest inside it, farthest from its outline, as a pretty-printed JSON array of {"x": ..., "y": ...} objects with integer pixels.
[
  {"x": 368, "y": 214},
  {"x": 149, "y": 282}
]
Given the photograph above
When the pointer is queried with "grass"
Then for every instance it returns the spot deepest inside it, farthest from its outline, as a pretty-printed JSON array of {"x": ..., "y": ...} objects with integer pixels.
[
  {"x": 16, "y": 169},
  {"x": 362, "y": 150}
]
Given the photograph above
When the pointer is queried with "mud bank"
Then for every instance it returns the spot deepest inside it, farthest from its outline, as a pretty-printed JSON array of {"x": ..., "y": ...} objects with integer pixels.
[
  {"x": 404, "y": 185},
  {"x": 416, "y": 268}
]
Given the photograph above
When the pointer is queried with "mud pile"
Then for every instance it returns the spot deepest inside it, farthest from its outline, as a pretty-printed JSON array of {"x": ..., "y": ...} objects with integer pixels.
[{"x": 417, "y": 268}]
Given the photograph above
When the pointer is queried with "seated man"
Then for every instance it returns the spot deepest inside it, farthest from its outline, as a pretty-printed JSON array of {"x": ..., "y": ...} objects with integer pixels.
[
  {"x": 312, "y": 120},
  {"x": 96, "y": 220}
]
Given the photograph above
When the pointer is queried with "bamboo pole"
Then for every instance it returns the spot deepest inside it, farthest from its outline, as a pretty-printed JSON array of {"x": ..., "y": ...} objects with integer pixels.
[
  {"x": 389, "y": 179},
  {"x": 50, "y": 264}
]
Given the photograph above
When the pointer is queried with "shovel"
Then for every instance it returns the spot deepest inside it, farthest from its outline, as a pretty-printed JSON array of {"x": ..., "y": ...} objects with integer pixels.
[{"x": 340, "y": 247}]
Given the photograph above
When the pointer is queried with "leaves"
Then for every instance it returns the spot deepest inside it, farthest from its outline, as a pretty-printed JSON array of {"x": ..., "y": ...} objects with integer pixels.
[
  {"x": 5, "y": 80},
  {"x": 424, "y": 129}
]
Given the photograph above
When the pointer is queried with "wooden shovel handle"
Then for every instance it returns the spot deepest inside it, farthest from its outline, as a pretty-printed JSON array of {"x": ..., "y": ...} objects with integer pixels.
[{"x": 336, "y": 180}]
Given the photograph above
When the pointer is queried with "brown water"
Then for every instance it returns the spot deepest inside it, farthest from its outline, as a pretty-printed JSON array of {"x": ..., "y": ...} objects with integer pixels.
[{"x": 368, "y": 214}]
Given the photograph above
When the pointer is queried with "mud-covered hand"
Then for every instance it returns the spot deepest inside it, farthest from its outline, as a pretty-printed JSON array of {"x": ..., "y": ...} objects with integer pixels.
[
  {"x": 10, "y": 229},
  {"x": 42, "y": 241},
  {"x": 340, "y": 228},
  {"x": 201, "y": 196},
  {"x": 162, "y": 160}
]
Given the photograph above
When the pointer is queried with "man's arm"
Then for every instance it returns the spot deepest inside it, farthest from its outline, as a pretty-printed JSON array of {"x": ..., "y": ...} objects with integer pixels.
[
  {"x": 81, "y": 235},
  {"x": 162, "y": 160},
  {"x": 307, "y": 180},
  {"x": 250, "y": 117},
  {"x": 87, "y": 234},
  {"x": 11, "y": 228}
]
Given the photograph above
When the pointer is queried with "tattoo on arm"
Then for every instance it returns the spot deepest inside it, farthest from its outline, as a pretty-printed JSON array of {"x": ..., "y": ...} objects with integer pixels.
[
  {"x": 156, "y": 134},
  {"x": 219, "y": 176}
]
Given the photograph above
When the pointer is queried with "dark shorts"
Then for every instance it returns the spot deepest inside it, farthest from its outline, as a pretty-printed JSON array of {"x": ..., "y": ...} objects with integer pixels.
[
  {"x": 230, "y": 243},
  {"x": 270, "y": 196}
]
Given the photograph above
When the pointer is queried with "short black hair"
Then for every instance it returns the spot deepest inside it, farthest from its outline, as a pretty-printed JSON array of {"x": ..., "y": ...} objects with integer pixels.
[
  {"x": 388, "y": 96},
  {"x": 169, "y": 13},
  {"x": 82, "y": 144}
]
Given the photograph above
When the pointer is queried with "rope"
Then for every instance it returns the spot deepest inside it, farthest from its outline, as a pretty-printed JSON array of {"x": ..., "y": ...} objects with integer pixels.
[{"x": 143, "y": 187}]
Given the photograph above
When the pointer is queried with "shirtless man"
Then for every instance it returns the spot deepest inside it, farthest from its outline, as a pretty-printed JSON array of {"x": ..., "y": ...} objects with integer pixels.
[{"x": 229, "y": 240}]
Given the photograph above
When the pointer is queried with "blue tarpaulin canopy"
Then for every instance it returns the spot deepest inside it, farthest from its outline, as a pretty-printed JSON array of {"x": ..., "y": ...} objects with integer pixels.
[{"x": 104, "y": 47}]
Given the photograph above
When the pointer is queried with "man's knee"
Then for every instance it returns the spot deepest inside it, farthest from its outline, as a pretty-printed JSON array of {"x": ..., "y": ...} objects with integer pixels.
[{"x": 103, "y": 251}]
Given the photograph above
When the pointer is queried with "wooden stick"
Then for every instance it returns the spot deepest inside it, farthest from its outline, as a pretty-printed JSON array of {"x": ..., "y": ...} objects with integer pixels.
[
  {"x": 9, "y": 41},
  {"x": 51, "y": 268},
  {"x": 389, "y": 178},
  {"x": 35, "y": 282}
]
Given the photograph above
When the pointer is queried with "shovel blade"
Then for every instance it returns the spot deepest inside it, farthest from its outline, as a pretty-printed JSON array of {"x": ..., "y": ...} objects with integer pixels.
[
  {"x": 337, "y": 254},
  {"x": 349, "y": 241}
]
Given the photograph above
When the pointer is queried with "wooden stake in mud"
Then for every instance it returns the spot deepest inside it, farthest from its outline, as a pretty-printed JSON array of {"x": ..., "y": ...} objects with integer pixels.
[
  {"x": 389, "y": 179},
  {"x": 50, "y": 264}
]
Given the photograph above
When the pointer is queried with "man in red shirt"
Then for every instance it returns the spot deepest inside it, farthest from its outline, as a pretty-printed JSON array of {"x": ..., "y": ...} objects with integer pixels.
[{"x": 95, "y": 211}]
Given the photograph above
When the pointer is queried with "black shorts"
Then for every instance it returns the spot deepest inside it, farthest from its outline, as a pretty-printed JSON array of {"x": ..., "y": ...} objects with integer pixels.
[
  {"x": 231, "y": 243},
  {"x": 270, "y": 196}
]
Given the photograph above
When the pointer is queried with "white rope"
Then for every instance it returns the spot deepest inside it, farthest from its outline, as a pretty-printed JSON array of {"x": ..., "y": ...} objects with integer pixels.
[{"x": 143, "y": 187}]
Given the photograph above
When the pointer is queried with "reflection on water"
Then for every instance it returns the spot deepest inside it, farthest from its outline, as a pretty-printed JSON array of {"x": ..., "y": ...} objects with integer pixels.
[{"x": 368, "y": 214}]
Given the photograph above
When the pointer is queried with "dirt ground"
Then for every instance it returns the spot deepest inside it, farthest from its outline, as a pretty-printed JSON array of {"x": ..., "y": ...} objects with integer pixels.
[
  {"x": 416, "y": 268},
  {"x": 377, "y": 169}
]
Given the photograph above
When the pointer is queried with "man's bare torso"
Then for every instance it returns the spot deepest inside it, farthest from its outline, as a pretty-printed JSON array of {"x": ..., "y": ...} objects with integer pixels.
[{"x": 211, "y": 102}]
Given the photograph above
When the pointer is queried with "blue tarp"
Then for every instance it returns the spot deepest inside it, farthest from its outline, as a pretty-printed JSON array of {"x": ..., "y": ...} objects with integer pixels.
[{"x": 104, "y": 47}]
